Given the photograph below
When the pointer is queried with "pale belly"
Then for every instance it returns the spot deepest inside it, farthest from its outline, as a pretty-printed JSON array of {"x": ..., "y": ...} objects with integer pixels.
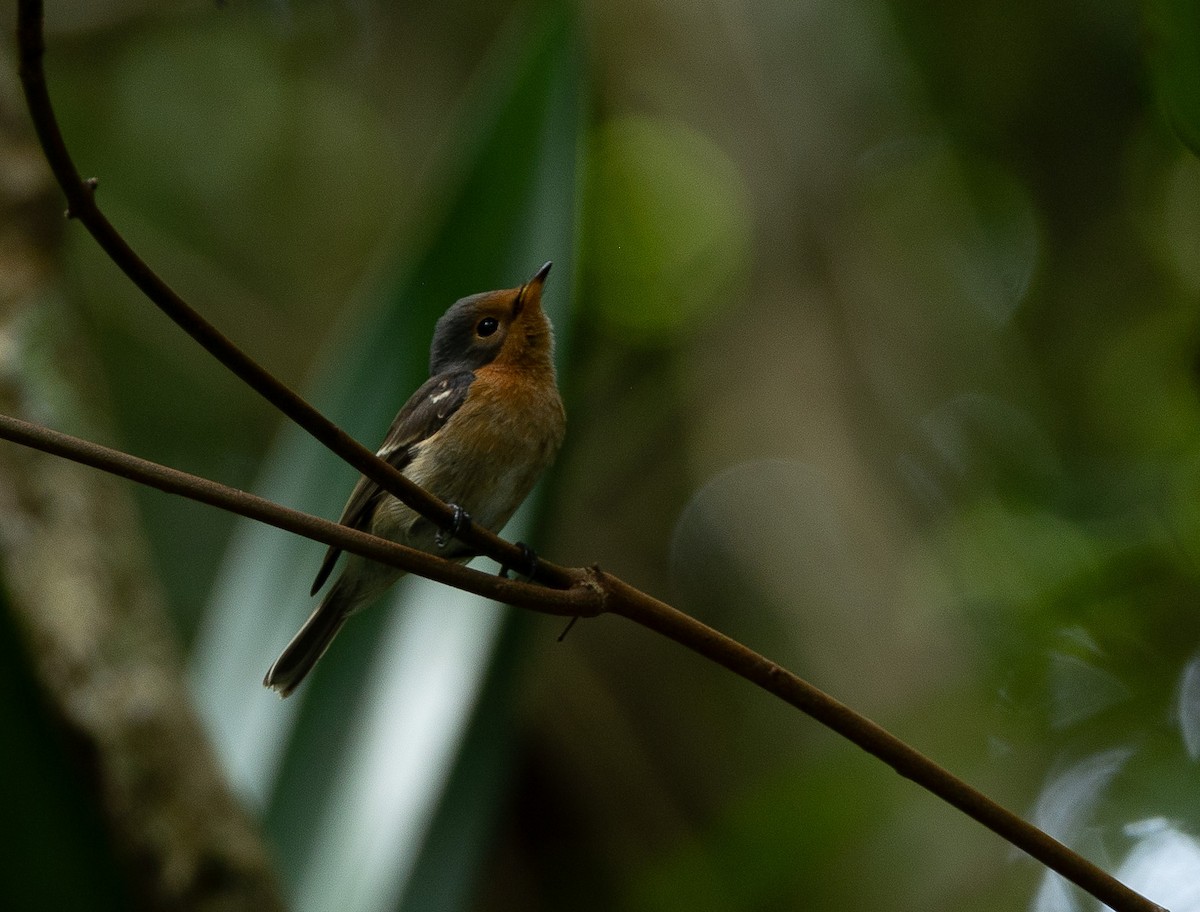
[{"x": 487, "y": 487}]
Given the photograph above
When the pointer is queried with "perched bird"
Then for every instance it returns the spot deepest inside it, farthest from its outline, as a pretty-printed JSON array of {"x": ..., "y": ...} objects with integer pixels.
[{"x": 477, "y": 433}]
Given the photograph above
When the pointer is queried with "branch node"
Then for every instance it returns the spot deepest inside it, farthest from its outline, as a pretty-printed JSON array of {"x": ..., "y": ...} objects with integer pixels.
[
  {"x": 593, "y": 580},
  {"x": 89, "y": 193}
]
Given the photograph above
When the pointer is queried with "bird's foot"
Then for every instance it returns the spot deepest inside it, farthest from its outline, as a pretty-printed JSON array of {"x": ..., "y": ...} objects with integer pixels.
[
  {"x": 526, "y": 567},
  {"x": 460, "y": 521}
]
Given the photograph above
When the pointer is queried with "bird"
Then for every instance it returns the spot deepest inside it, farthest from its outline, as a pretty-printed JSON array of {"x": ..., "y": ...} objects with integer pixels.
[{"x": 477, "y": 434}]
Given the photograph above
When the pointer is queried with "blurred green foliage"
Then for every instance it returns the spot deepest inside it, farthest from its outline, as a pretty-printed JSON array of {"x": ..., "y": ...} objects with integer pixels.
[
  {"x": 668, "y": 228},
  {"x": 883, "y": 359},
  {"x": 1174, "y": 52}
]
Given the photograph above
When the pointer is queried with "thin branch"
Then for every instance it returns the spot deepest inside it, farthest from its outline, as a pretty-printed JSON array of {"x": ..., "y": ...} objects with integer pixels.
[
  {"x": 580, "y": 600},
  {"x": 587, "y": 592},
  {"x": 637, "y": 606},
  {"x": 81, "y": 205}
]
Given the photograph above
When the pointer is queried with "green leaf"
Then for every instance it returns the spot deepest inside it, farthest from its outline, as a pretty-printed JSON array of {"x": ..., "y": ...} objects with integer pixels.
[{"x": 366, "y": 760}]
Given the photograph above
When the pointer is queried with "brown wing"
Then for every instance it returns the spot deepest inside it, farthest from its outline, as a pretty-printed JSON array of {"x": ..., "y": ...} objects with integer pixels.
[{"x": 422, "y": 416}]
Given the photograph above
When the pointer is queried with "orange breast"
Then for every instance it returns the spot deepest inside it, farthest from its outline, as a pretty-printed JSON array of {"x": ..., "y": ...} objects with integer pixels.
[{"x": 491, "y": 452}]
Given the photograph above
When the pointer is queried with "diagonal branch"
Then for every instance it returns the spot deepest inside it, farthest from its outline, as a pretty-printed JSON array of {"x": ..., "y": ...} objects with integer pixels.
[
  {"x": 586, "y": 592},
  {"x": 596, "y": 592},
  {"x": 580, "y": 600}
]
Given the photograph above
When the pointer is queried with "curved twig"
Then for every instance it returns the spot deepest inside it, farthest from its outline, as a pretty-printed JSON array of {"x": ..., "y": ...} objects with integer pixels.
[
  {"x": 81, "y": 205},
  {"x": 587, "y": 592}
]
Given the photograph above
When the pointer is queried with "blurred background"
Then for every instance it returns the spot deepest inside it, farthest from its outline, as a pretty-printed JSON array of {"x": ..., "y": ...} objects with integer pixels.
[{"x": 878, "y": 329}]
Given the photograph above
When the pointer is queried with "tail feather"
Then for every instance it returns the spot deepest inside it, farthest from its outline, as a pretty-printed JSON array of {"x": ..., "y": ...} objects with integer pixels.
[{"x": 310, "y": 643}]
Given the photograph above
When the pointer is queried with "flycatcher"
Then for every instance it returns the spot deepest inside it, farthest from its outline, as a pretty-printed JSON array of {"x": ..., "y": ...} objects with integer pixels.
[{"x": 478, "y": 434}]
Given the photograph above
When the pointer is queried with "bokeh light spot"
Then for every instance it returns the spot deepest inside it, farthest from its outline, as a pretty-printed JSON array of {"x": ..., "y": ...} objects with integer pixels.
[{"x": 667, "y": 230}]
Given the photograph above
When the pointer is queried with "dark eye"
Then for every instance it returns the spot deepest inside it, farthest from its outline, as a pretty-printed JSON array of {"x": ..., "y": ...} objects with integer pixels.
[{"x": 487, "y": 326}]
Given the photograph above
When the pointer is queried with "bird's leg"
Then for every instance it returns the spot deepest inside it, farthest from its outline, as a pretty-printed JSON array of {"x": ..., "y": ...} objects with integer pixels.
[{"x": 460, "y": 521}]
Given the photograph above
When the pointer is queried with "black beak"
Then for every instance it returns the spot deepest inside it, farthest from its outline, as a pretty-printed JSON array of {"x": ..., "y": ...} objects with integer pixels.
[{"x": 531, "y": 290}]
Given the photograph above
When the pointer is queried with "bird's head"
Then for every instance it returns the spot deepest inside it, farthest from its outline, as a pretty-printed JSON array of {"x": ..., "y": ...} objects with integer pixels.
[{"x": 495, "y": 327}]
